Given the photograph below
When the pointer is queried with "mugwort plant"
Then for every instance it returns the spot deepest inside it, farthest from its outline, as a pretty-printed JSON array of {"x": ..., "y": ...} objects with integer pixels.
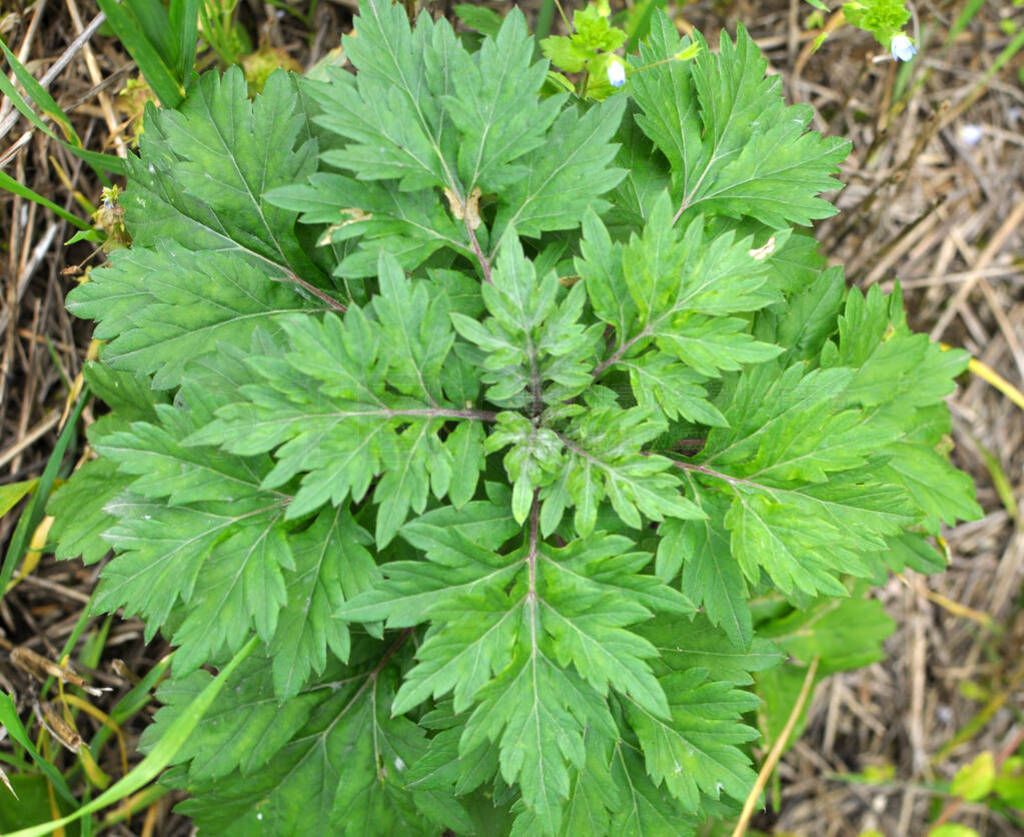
[{"x": 512, "y": 452}]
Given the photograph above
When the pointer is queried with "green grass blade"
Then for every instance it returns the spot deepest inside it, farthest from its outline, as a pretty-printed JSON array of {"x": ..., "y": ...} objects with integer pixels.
[
  {"x": 39, "y": 95},
  {"x": 149, "y": 768},
  {"x": 11, "y": 185},
  {"x": 1001, "y": 483},
  {"x": 185, "y": 22},
  {"x": 639, "y": 23},
  {"x": 155, "y": 24},
  {"x": 151, "y": 65},
  {"x": 99, "y": 162},
  {"x": 9, "y": 718},
  {"x": 36, "y": 508},
  {"x": 964, "y": 18},
  {"x": 131, "y": 703},
  {"x": 1010, "y": 50},
  {"x": 545, "y": 17}
]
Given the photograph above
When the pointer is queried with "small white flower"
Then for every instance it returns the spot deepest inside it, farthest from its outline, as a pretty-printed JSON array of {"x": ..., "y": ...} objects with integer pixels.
[
  {"x": 902, "y": 48},
  {"x": 616, "y": 73},
  {"x": 970, "y": 134}
]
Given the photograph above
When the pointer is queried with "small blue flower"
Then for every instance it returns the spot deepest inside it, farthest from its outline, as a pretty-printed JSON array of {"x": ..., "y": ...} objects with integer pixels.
[
  {"x": 616, "y": 73},
  {"x": 902, "y": 48}
]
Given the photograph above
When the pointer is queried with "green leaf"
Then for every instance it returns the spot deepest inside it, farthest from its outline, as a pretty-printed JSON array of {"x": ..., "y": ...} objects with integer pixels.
[
  {"x": 710, "y": 573},
  {"x": 244, "y": 729},
  {"x": 567, "y": 175},
  {"x": 79, "y": 505},
  {"x": 974, "y": 781},
  {"x": 408, "y": 225},
  {"x": 900, "y": 378},
  {"x": 1009, "y": 784},
  {"x": 340, "y": 761},
  {"x": 162, "y": 309},
  {"x": 883, "y": 19},
  {"x": 806, "y": 501},
  {"x": 952, "y": 829},
  {"x": 534, "y": 702},
  {"x": 808, "y": 318},
  {"x": 647, "y": 175},
  {"x": 130, "y": 397},
  {"x": 535, "y": 459},
  {"x": 195, "y": 515},
  {"x": 593, "y": 793},
  {"x": 164, "y": 549},
  {"x": 608, "y": 563},
  {"x": 332, "y": 565},
  {"x": 648, "y": 810},
  {"x": 78, "y": 509},
  {"x": 604, "y": 459},
  {"x": 667, "y": 274},
  {"x": 12, "y": 493},
  {"x": 483, "y": 20},
  {"x": 537, "y": 351},
  {"x": 582, "y": 617},
  {"x": 141, "y": 46},
  {"x": 600, "y": 267},
  {"x": 462, "y": 543},
  {"x": 790, "y": 425},
  {"x": 683, "y": 644},
  {"x": 790, "y": 532},
  {"x": 206, "y": 168},
  {"x": 184, "y": 20},
  {"x": 441, "y": 768},
  {"x": 352, "y": 398},
  {"x": 453, "y": 120},
  {"x": 734, "y": 148},
  {"x": 496, "y": 110},
  {"x": 465, "y": 445},
  {"x": 843, "y": 634},
  {"x": 894, "y": 366},
  {"x": 509, "y": 653},
  {"x": 565, "y": 53},
  {"x": 594, "y": 31},
  {"x": 410, "y": 138},
  {"x": 672, "y": 388},
  {"x": 936, "y": 487},
  {"x": 914, "y": 550},
  {"x": 698, "y": 751},
  {"x": 682, "y": 288}
]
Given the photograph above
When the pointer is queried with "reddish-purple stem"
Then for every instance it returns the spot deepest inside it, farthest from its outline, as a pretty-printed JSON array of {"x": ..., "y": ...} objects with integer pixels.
[{"x": 326, "y": 297}]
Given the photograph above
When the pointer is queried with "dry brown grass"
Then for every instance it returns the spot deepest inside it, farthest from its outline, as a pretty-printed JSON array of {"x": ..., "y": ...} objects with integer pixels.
[{"x": 923, "y": 204}]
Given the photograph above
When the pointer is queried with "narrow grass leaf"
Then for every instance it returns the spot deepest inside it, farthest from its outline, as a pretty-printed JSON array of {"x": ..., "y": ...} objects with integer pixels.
[
  {"x": 12, "y": 723},
  {"x": 9, "y": 184},
  {"x": 160, "y": 756},
  {"x": 151, "y": 65},
  {"x": 37, "y": 507},
  {"x": 99, "y": 162}
]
